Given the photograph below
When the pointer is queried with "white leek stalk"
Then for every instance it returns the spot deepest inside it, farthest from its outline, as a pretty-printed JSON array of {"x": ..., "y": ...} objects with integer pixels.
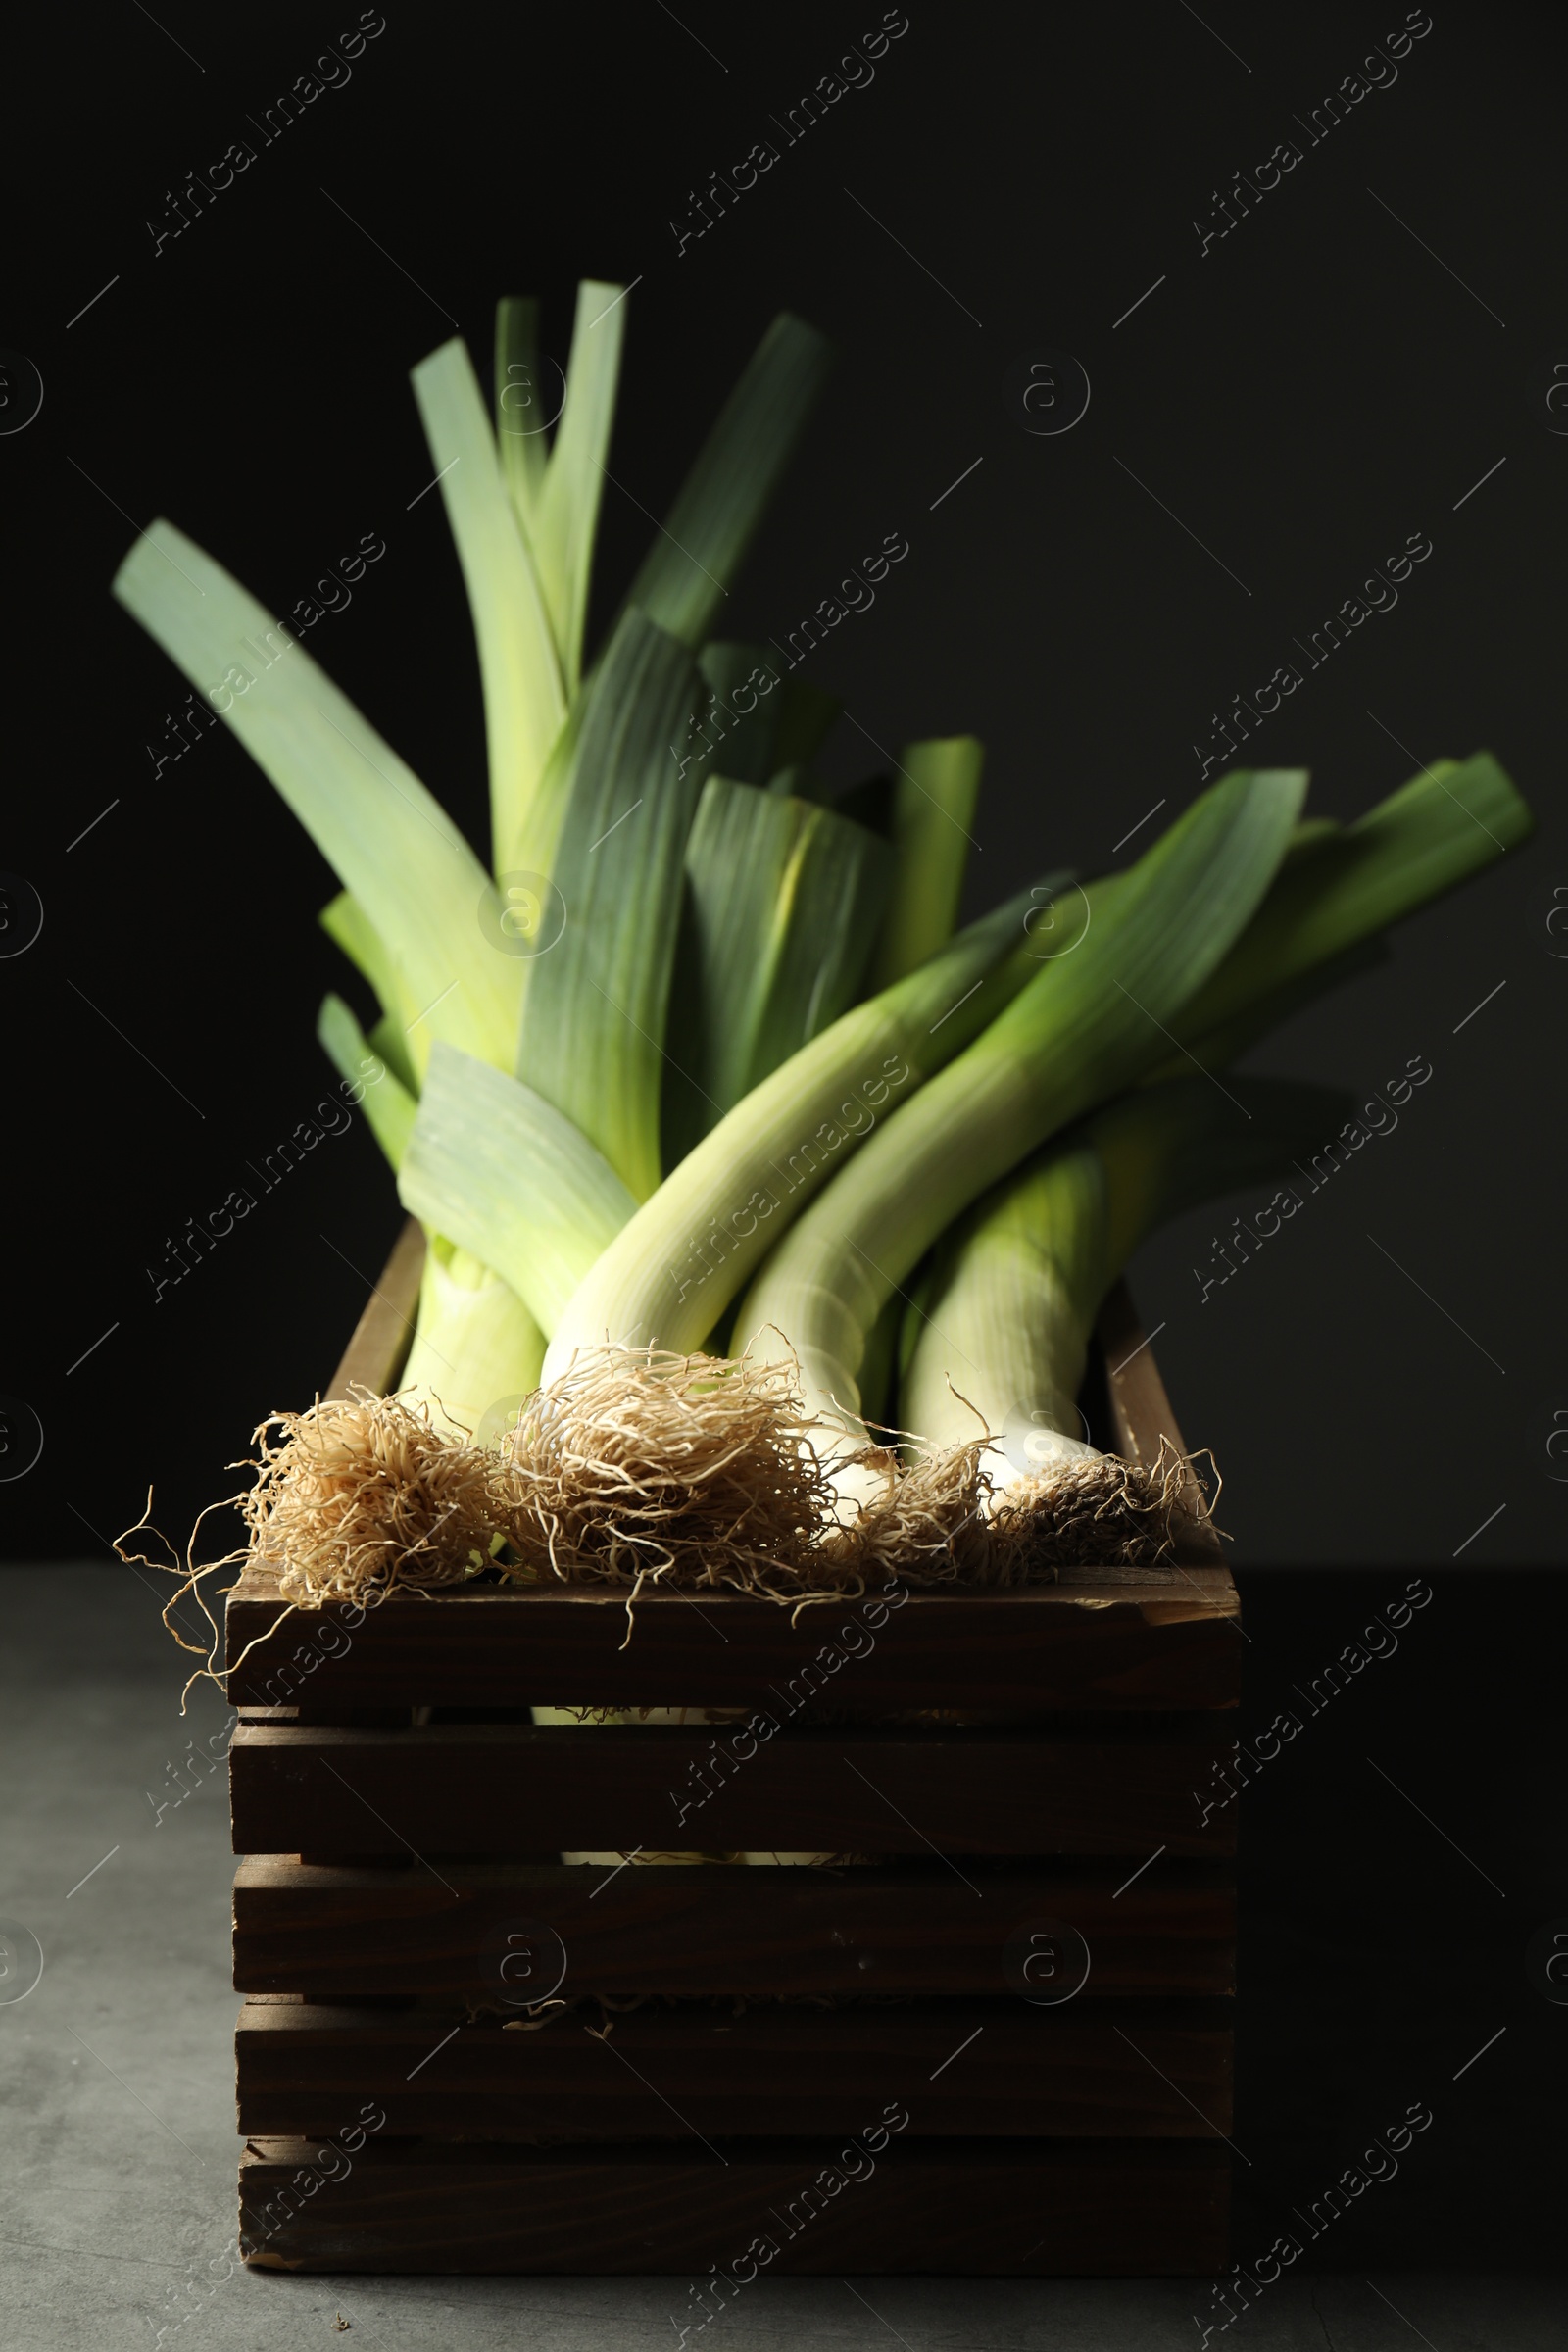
[{"x": 476, "y": 1351}]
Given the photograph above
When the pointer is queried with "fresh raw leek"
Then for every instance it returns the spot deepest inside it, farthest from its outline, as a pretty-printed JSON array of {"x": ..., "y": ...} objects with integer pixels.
[
  {"x": 824, "y": 1286},
  {"x": 592, "y": 1040},
  {"x": 1091, "y": 1021},
  {"x": 997, "y": 1341}
]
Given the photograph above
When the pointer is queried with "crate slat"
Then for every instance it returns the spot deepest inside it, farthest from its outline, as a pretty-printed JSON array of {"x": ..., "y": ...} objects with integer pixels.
[
  {"x": 379, "y": 1344},
  {"x": 1142, "y": 1418},
  {"x": 438, "y": 1929},
  {"x": 1010, "y": 2208},
  {"x": 1173, "y": 1645},
  {"x": 984, "y": 2069},
  {"x": 500, "y": 1788}
]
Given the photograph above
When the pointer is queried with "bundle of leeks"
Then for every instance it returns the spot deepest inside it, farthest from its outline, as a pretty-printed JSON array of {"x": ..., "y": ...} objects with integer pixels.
[{"x": 733, "y": 1155}]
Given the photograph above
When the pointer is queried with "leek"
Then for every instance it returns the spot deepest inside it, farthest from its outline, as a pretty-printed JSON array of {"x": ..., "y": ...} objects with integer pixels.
[
  {"x": 1000, "y": 1337},
  {"x": 1090, "y": 1022},
  {"x": 592, "y": 788}
]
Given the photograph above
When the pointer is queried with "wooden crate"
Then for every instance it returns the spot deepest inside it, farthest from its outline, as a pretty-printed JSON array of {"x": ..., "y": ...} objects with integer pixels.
[{"x": 1005, "y": 2048}]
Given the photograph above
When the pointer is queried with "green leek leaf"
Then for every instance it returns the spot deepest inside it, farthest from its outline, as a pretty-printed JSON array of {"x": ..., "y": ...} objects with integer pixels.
[
  {"x": 687, "y": 573},
  {"x": 348, "y": 926},
  {"x": 934, "y": 799},
  {"x": 496, "y": 1167},
  {"x": 1447, "y": 824},
  {"x": 524, "y": 698},
  {"x": 782, "y": 903},
  {"x": 420, "y": 885},
  {"x": 568, "y": 504},
  {"x": 390, "y": 1039},
  {"x": 385, "y": 1100},
  {"x": 521, "y": 420},
  {"x": 593, "y": 1040}
]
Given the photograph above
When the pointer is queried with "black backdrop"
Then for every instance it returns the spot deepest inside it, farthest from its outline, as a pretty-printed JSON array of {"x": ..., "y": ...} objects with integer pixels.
[{"x": 1271, "y": 415}]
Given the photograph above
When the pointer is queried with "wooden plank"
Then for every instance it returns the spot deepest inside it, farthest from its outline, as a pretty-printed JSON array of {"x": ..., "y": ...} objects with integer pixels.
[
  {"x": 1174, "y": 1644},
  {"x": 982, "y": 2069},
  {"x": 1142, "y": 1418},
  {"x": 378, "y": 1349},
  {"x": 440, "y": 1929},
  {"x": 1009, "y": 2208},
  {"x": 1122, "y": 1786}
]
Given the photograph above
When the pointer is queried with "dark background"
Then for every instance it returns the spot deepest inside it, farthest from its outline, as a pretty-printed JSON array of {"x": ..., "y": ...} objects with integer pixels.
[{"x": 1317, "y": 387}]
